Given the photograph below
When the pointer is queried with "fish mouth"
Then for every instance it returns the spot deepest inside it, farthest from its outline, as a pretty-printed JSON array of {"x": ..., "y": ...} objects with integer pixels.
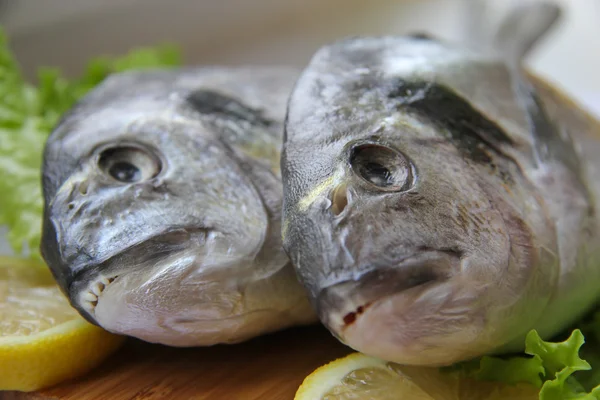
[
  {"x": 177, "y": 302},
  {"x": 339, "y": 306},
  {"x": 89, "y": 284}
]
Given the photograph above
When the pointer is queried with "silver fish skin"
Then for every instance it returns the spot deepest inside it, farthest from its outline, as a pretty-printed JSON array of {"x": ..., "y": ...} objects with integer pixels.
[
  {"x": 163, "y": 206},
  {"x": 439, "y": 202}
]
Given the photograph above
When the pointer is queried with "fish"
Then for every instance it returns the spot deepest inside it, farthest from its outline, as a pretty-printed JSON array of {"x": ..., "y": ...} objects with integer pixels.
[
  {"x": 162, "y": 206},
  {"x": 441, "y": 200}
]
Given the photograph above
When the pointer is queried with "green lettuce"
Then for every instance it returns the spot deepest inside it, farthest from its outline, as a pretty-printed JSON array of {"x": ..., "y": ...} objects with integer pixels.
[
  {"x": 562, "y": 370},
  {"x": 27, "y": 115}
]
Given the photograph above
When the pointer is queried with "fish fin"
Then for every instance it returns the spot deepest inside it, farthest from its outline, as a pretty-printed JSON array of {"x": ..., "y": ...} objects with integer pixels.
[
  {"x": 523, "y": 28},
  {"x": 519, "y": 31},
  {"x": 510, "y": 29}
]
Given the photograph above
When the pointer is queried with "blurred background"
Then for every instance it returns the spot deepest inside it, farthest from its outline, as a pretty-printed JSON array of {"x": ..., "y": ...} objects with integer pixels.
[{"x": 67, "y": 33}]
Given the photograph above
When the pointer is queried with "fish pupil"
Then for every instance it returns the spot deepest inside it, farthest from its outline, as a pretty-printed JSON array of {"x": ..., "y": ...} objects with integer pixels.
[
  {"x": 381, "y": 166},
  {"x": 124, "y": 171},
  {"x": 377, "y": 174}
]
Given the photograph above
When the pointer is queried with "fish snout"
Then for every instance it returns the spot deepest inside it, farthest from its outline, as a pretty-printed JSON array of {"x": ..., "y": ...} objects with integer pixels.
[
  {"x": 372, "y": 310},
  {"x": 87, "y": 287},
  {"x": 342, "y": 303},
  {"x": 183, "y": 287}
]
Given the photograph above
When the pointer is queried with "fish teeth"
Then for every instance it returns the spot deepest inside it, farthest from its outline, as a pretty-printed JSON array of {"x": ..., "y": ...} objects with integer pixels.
[
  {"x": 89, "y": 306},
  {"x": 106, "y": 281},
  {"x": 97, "y": 288},
  {"x": 89, "y": 299},
  {"x": 89, "y": 296}
]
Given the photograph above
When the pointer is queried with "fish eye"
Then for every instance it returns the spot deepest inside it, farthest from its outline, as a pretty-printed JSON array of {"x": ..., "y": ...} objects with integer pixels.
[
  {"x": 129, "y": 164},
  {"x": 381, "y": 166}
]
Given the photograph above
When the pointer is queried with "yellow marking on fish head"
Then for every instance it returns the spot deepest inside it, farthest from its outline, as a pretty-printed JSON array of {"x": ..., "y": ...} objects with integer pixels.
[
  {"x": 326, "y": 185},
  {"x": 304, "y": 204},
  {"x": 284, "y": 229},
  {"x": 79, "y": 180}
]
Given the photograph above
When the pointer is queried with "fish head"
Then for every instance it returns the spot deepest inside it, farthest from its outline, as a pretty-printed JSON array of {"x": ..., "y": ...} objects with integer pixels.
[
  {"x": 155, "y": 226},
  {"x": 394, "y": 229}
]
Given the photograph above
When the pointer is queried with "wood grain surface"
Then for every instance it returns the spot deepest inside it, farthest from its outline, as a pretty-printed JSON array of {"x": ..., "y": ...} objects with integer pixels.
[{"x": 271, "y": 367}]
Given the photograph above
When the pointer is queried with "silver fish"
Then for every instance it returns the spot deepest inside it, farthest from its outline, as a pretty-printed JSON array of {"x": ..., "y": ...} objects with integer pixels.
[
  {"x": 440, "y": 201},
  {"x": 163, "y": 206}
]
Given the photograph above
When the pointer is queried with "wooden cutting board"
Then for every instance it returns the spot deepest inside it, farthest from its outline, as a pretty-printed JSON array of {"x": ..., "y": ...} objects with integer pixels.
[{"x": 271, "y": 367}]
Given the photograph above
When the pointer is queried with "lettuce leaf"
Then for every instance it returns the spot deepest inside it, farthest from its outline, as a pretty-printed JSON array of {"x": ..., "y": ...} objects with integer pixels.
[
  {"x": 556, "y": 368},
  {"x": 560, "y": 360},
  {"x": 27, "y": 115}
]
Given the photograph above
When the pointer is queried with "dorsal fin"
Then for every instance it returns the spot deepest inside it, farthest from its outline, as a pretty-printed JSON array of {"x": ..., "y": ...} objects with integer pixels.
[
  {"x": 523, "y": 28},
  {"x": 510, "y": 29},
  {"x": 519, "y": 32}
]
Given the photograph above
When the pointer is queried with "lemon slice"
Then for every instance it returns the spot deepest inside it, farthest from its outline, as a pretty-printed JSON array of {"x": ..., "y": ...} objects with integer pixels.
[
  {"x": 358, "y": 376},
  {"x": 43, "y": 341}
]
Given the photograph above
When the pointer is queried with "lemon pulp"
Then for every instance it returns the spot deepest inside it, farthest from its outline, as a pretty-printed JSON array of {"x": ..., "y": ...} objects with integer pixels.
[
  {"x": 43, "y": 340},
  {"x": 358, "y": 376}
]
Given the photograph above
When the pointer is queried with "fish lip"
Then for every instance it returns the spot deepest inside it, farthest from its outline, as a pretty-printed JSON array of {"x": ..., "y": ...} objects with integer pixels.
[
  {"x": 83, "y": 288},
  {"x": 340, "y": 304}
]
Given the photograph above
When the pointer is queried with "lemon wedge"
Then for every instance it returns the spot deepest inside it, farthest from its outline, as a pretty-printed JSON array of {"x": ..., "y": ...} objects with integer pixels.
[
  {"x": 358, "y": 376},
  {"x": 43, "y": 341}
]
